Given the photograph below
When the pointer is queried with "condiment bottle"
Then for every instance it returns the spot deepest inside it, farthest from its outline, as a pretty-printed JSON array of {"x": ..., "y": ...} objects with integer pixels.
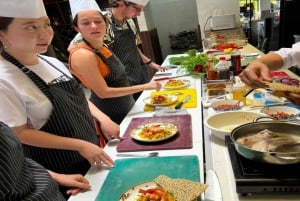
[
  {"x": 236, "y": 66},
  {"x": 212, "y": 73},
  {"x": 223, "y": 68}
]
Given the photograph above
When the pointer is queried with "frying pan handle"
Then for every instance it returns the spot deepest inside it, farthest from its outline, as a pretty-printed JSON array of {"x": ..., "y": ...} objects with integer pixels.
[
  {"x": 286, "y": 158},
  {"x": 263, "y": 117}
]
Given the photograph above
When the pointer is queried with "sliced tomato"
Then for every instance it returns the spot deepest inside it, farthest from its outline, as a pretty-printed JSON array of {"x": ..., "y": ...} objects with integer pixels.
[{"x": 225, "y": 46}]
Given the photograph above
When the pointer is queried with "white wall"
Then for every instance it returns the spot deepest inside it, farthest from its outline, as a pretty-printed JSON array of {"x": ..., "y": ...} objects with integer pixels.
[
  {"x": 205, "y": 9},
  {"x": 172, "y": 16}
]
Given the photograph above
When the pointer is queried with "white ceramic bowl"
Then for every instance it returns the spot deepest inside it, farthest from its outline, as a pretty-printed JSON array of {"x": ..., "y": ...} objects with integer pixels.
[
  {"x": 281, "y": 112},
  {"x": 221, "y": 124},
  {"x": 226, "y": 105}
]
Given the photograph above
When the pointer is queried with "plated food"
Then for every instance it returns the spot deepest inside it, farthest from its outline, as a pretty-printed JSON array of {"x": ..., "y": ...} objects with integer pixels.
[
  {"x": 268, "y": 141},
  {"x": 286, "y": 85},
  {"x": 160, "y": 100},
  {"x": 164, "y": 188},
  {"x": 176, "y": 84},
  {"x": 226, "y": 105},
  {"x": 154, "y": 132},
  {"x": 281, "y": 112}
]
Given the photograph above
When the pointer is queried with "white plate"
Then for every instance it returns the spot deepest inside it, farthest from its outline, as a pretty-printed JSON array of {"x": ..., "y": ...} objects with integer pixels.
[
  {"x": 185, "y": 83},
  {"x": 171, "y": 98},
  {"x": 133, "y": 192},
  {"x": 135, "y": 133}
]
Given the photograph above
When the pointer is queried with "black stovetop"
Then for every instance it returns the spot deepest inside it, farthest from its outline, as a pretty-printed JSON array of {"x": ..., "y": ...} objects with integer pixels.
[{"x": 255, "y": 177}]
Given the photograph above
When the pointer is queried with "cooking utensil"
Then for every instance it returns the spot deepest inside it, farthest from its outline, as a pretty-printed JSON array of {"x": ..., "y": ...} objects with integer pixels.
[
  {"x": 244, "y": 96},
  {"x": 186, "y": 99},
  {"x": 213, "y": 191},
  {"x": 168, "y": 78},
  {"x": 275, "y": 157},
  {"x": 151, "y": 154}
]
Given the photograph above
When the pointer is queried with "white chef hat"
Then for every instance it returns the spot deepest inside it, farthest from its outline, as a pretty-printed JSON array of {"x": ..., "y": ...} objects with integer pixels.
[
  {"x": 140, "y": 2},
  {"x": 22, "y": 9},
  {"x": 82, "y": 5}
]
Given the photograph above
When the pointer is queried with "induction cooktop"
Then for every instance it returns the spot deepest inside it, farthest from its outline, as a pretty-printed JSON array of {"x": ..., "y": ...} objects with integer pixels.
[{"x": 253, "y": 177}]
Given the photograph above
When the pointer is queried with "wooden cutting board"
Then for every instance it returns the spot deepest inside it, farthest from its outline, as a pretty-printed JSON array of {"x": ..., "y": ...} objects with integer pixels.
[
  {"x": 133, "y": 171},
  {"x": 182, "y": 140}
]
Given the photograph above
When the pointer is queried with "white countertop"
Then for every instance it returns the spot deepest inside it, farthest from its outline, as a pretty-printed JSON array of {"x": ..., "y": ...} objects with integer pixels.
[
  {"x": 216, "y": 154},
  {"x": 217, "y": 158},
  {"x": 97, "y": 177}
]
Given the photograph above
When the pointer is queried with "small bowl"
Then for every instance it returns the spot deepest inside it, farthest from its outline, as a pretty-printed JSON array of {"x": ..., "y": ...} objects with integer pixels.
[
  {"x": 281, "y": 112},
  {"x": 221, "y": 124},
  {"x": 226, "y": 105}
]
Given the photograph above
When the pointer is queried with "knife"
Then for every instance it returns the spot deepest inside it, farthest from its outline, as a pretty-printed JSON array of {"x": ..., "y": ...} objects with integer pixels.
[
  {"x": 186, "y": 99},
  {"x": 167, "y": 78},
  {"x": 213, "y": 191}
]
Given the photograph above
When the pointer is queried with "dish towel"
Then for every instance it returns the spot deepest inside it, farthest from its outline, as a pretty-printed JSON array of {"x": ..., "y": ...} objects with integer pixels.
[{"x": 192, "y": 103}]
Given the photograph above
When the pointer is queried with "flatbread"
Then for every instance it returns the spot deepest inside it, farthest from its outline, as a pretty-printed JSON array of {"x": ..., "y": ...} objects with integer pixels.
[
  {"x": 283, "y": 87},
  {"x": 182, "y": 189}
]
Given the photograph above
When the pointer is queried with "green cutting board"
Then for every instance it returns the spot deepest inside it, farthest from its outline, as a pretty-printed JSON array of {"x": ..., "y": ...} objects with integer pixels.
[{"x": 133, "y": 171}]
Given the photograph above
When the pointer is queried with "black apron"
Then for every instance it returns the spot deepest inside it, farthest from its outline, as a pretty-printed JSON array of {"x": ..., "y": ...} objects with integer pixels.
[
  {"x": 22, "y": 178},
  {"x": 117, "y": 107},
  {"x": 124, "y": 46},
  {"x": 70, "y": 118}
]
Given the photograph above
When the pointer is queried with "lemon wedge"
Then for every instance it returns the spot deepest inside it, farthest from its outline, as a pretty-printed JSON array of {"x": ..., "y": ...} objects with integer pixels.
[{"x": 227, "y": 50}]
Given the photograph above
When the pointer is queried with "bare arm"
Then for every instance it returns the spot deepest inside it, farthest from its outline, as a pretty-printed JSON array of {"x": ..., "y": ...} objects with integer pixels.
[
  {"x": 258, "y": 70},
  {"x": 110, "y": 129},
  {"x": 38, "y": 138},
  {"x": 152, "y": 64},
  {"x": 86, "y": 63},
  {"x": 76, "y": 182}
]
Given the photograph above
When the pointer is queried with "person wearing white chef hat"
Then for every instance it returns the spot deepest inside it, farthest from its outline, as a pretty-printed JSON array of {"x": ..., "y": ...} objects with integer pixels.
[
  {"x": 123, "y": 39},
  {"x": 97, "y": 67},
  {"x": 46, "y": 108}
]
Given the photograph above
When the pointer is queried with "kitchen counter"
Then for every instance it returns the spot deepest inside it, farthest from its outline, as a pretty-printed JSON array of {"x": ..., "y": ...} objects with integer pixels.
[
  {"x": 204, "y": 145},
  {"x": 96, "y": 177},
  {"x": 217, "y": 158}
]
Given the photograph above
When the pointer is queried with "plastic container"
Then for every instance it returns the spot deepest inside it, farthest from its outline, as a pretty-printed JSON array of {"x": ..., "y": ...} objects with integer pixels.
[
  {"x": 223, "y": 67},
  {"x": 238, "y": 90}
]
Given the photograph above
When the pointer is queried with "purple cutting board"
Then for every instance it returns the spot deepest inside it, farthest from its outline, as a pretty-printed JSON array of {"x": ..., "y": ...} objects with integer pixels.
[{"x": 182, "y": 140}]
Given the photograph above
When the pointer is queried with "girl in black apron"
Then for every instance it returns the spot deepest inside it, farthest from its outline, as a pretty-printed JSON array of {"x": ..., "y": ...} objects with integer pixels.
[{"x": 70, "y": 117}]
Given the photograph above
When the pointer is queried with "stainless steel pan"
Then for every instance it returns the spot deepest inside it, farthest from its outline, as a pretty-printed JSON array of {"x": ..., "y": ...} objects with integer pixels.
[{"x": 290, "y": 155}]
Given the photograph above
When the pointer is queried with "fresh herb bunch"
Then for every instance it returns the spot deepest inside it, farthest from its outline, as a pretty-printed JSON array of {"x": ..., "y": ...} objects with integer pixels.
[{"x": 193, "y": 63}]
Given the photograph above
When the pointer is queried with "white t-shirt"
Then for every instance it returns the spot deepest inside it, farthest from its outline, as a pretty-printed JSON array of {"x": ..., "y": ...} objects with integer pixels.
[
  {"x": 21, "y": 101},
  {"x": 290, "y": 56}
]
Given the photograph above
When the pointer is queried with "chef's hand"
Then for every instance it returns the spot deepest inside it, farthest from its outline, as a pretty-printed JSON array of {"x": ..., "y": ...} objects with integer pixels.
[
  {"x": 110, "y": 129},
  {"x": 76, "y": 182},
  {"x": 94, "y": 154},
  {"x": 254, "y": 74},
  {"x": 152, "y": 85},
  {"x": 158, "y": 67}
]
